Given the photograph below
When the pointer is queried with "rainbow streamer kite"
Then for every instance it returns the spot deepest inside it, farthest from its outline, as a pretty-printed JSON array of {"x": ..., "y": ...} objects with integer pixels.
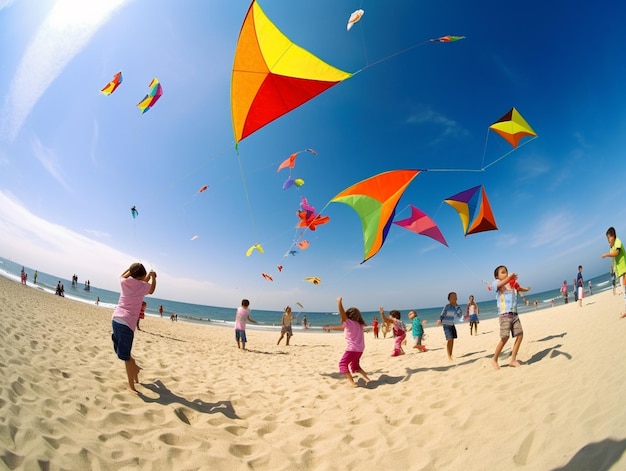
[
  {"x": 474, "y": 210},
  {"x": 152, "y": 97},
  {"x": 375, "y": 200},
  {"x": 272, "y": 75}
]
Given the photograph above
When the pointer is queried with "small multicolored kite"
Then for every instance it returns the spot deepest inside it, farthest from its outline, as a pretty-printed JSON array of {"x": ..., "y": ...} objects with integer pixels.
[
  {"x": 254, "y": 247},
  {"x": 308, "y": 217},
  {"x": 271, "y": 75},
  {"x": 447, "y": 39},
  {"x": 474, "y": 210},
  {"x": 134, "y": 212},
  {"x": 375, "y": 200},
  {"x": 152, "y": 97},
  {"x": 113, "y": 84},
  {"x": 420, "y": 223},
  {"x": 354, "y": 18},
  {"x": 293, "y": 181}
]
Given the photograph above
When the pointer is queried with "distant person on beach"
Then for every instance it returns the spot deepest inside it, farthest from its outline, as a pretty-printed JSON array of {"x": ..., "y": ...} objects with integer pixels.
[
  {"x": 506, "y": 288},
  {"x": 97, "y": 300},
  {"x": 417, "y": 330},
  {"x": 24, "y": 277},
  {"x": 590, "y": 292},
  {"x": 352, "y": 324},
  {"x": 564, "y": 291},
  {"x": 142, "y": 313},
  {"x": 60, "y": 291},
  {"x": 399, "y": 329},
  {"x": 35, "y": 275},
  {"x": 135, "y": 283},
  {"x": 472, "y": 313},
  {"x": 580, "y": 286},
  {"x": 242, "y": 316},
  {"x": 305, "y": 323},
  {"x": 285, "y": 325},
  {"x": 450, "y": 312},
  {"x": 174, "y": 317},
  {"x": 375, "y": 327},
  {"x": 161, "y": 310},
  {"x": 616, "y": 252}
]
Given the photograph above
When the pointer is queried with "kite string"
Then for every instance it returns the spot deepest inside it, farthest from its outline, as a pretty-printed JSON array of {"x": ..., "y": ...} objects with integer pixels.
[
  {"x": 509, "y": 152},
  {"x": 245, "y": 190},
  {"x": 391, "y": 56}
]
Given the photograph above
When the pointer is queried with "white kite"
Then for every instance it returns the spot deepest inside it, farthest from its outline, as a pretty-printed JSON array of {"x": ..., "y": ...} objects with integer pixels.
[{"x": 354, "y": 17}]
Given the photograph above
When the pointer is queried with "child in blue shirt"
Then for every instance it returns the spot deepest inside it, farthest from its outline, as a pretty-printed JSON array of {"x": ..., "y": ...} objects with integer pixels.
[
  {"x": 450, "y": 312},
  {"x": 506, "y": 288}
]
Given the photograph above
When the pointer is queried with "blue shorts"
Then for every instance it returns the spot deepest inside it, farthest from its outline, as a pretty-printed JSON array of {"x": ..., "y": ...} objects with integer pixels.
[
  {"x": 122, "y": 340},
  {"x": 240, "y": 335},
  {"x": 450, "y": 331}
]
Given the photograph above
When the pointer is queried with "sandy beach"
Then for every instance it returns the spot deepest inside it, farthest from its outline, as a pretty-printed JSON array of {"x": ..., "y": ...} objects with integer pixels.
[{"x": 204, "y": 404}]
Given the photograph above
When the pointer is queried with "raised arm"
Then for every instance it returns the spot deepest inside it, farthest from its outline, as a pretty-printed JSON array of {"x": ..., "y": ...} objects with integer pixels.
[
  {"x": 385, "y": 319},
  {"x": 151, "y": 277},
  {"x": 342, "y": 311}
]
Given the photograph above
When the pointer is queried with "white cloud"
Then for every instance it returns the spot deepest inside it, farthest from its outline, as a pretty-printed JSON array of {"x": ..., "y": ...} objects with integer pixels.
[
  {"x": 64, "y": 33},
  {"x": 50, "y": 162}
]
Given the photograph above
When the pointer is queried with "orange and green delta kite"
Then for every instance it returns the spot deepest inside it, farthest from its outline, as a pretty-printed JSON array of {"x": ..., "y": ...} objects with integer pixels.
[
  {"x": 272, "y": 75},
  {"x": 375, "y": 200}
]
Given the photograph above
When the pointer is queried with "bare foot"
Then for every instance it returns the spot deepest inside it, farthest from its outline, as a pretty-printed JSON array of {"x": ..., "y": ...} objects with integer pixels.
[
  {"x": 622, "y": 316},
  {"x": 515, "y": 364},
  {"x": 450, "y": 358},
  {"x": 494, "y": 363}
]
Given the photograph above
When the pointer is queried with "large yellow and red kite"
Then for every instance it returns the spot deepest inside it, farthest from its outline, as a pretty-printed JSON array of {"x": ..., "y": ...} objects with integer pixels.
[
  {"x": 272, "y": 75},
  {"x": 375, "y": 200}
]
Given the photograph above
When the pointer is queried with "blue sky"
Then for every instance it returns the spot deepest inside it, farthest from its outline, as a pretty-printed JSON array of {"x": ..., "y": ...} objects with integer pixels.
[{"x": 73, "y": 162}]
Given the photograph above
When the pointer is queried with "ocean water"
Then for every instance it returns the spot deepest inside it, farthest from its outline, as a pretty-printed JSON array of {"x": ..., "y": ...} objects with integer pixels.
[{"x": 270, "y": 320}]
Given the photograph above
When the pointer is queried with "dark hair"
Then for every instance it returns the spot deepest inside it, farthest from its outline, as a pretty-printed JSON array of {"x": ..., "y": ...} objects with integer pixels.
[
  {"x": 137, "y": 270},
  {"x": 495, "y": 272},
  {"x": 354, "y": 314},
  {"x": 450, "y": 294},
  {"x": 611, "y": 231},
  {"x": 395, "y": 314},
  {"x": 245, "y": 302}
]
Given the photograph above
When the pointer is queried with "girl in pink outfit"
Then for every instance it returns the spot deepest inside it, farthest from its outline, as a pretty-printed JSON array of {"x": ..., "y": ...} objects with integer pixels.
[
  {"x": 352, "y": 324},
  {"x": 399, "y": 330}
]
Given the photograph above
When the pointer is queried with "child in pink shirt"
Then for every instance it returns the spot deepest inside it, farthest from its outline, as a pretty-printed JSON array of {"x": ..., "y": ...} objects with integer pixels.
[{"x": 352, "y": 324}]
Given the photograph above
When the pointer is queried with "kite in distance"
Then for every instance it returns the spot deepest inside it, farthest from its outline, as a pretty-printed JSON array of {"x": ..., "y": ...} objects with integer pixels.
[
  {"x": 113, "y": 84},
  {"x": 354, "y": 18},
  {"x": 267, "y": 277},
  {"x": 254, "y": 247},
  {"x": 420, "y": 223},
  {"x": 313, "y": 279},
  {"x": 375, "y": 200},
  {"x": 203, "y": 189},
  {"x": 293, "y": 181},
  {"x": 304, "y": 244},
  {"x": 271, "y": 75},
  {"x": 447, "y": 39},
  {"x": 308, "y": 218},
  {"x": 152, "y": 97},
  {"x": 195, "y": 237},
  {"x": 474, "y": 210},
  {"x": 290, "y": 162},
  {"x": 134, "y": 212}
]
